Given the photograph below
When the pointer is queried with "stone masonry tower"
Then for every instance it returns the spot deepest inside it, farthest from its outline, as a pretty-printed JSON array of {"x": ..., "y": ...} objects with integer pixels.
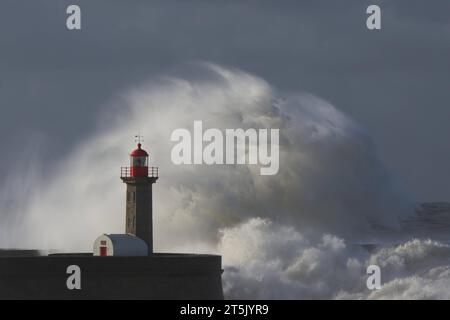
[{"x": 139, "y": 178}]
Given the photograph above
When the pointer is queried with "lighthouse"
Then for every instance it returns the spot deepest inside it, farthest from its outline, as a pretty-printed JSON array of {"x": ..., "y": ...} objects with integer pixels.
[
  {"x": 139, "y": 178},
  {"x": 121, "y": 266}
]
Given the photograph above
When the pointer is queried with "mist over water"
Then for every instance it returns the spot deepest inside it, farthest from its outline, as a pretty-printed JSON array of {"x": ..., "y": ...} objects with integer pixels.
[{"x": 291, "y": 235}]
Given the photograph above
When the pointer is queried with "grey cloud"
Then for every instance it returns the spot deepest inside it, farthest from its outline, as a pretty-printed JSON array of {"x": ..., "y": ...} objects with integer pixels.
[{"x": 55, "y": 83}]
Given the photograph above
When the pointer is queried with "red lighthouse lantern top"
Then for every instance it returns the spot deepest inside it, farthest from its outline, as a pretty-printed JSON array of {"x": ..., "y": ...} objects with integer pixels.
[
  {"x": 139, "y": 162},
  {"x": 139, "y": 165},
  {"x": 139, "y": 152}
]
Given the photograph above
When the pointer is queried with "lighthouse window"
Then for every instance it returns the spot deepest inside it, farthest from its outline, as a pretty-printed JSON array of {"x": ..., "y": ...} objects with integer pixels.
[
  {"x": 131, "y": 196},
  {"x": 139, "y": 162}
]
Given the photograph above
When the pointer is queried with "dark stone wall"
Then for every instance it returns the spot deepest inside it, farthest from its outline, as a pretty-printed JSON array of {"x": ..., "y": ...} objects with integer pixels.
[
  {"x": 19, "y": 253},
  {"x": 160, "y": 276}
]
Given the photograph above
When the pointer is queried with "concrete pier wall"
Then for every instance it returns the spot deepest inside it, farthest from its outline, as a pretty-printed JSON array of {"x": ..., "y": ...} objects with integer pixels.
[{"x": 160, "y": 276}]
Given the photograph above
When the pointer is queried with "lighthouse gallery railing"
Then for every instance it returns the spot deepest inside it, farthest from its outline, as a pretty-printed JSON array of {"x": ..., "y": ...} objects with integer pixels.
[{"x": 125, "y": 172}]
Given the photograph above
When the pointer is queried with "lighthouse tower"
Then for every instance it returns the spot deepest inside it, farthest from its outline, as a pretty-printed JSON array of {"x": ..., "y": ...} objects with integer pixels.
[{"x": 139, "y": 178}]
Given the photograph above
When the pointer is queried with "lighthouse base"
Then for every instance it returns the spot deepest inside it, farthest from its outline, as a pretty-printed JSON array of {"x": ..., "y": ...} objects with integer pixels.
[{"x": 159, "y": 276}]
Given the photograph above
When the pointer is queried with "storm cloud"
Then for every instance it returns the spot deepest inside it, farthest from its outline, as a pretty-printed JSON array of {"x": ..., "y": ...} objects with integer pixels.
[{"x": 54, "y": 83}]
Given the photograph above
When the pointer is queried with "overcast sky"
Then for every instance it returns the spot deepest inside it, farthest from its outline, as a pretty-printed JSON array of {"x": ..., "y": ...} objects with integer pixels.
[{"x": 395, "y": 82}]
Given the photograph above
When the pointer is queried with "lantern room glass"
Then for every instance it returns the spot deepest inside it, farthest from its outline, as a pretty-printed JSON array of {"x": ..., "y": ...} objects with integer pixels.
[{"x": 139, "y": 161}]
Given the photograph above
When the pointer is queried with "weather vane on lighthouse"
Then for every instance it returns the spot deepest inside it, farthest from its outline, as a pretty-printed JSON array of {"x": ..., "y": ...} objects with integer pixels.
[{"x": 139, "y": 138}]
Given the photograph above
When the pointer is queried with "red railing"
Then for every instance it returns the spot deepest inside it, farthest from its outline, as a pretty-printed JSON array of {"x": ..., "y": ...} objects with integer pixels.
[{"x": 125, "y": 172}]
